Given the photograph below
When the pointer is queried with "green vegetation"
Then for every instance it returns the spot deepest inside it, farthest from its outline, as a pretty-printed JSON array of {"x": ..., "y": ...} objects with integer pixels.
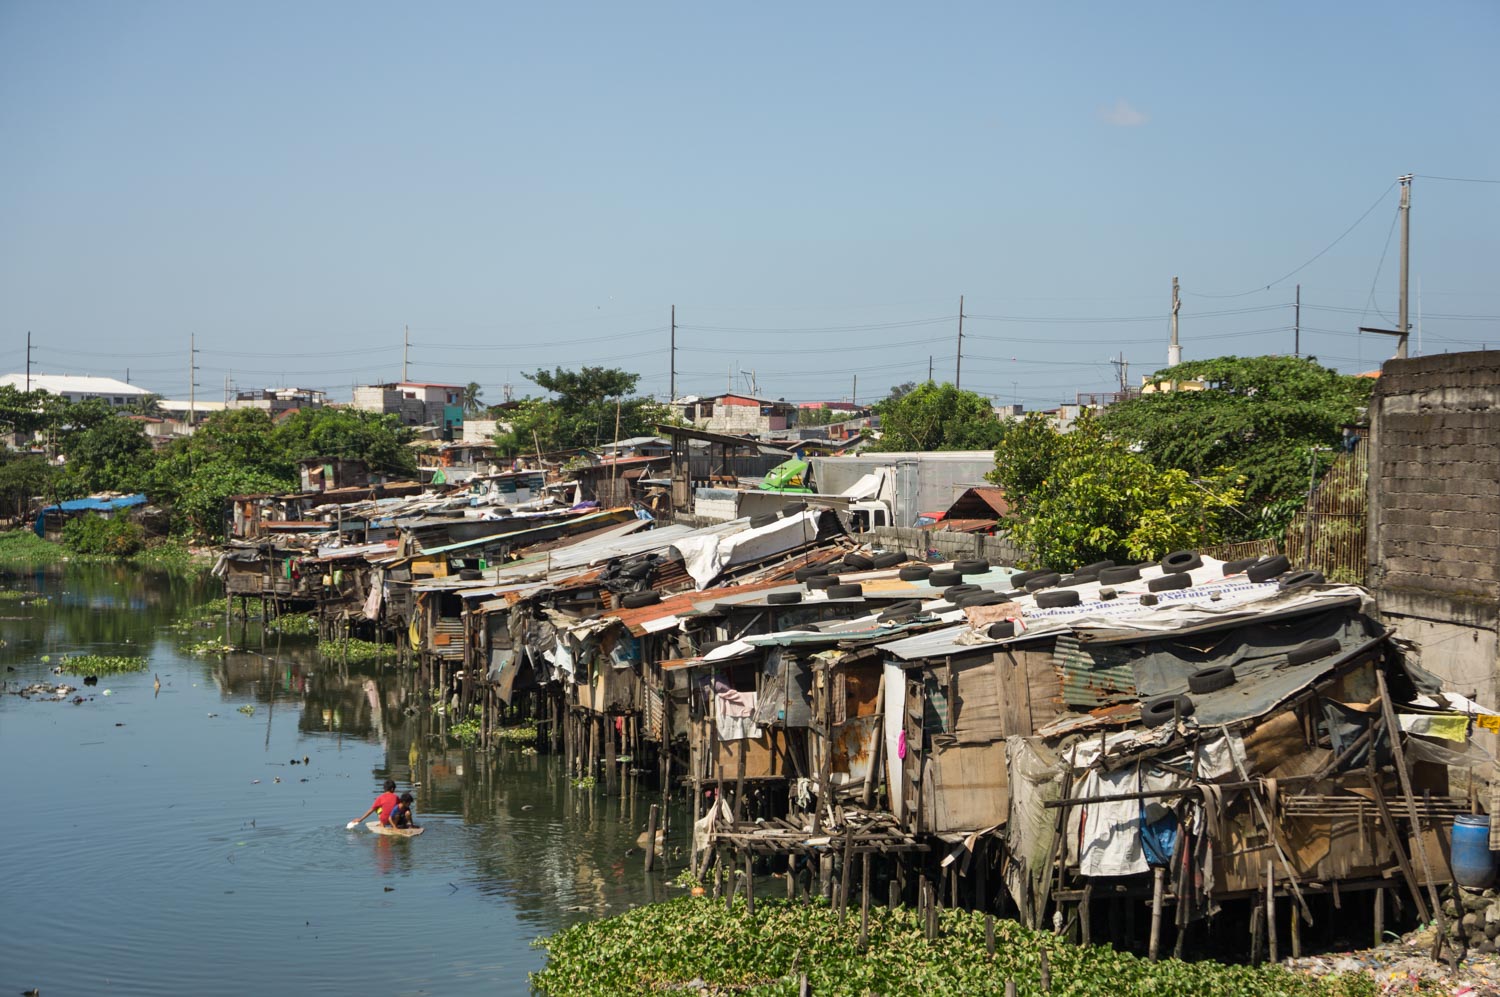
[
  {"x": 209, "y": 646},
  {"x": 466, "y": 732},
  {"x": 23, "y": 548},
  {"x": 356, "y": 651},
  {"x": 667, "y": 946},
  {"x": 294, "y": 625},
  {"x": 516, "y": 735},
  {"x": 102, "y": 664},
  {"x": 937, "y": 417},
  {"x": 91, "y": 534},
  {"x": 1083, "y": 496},
  {"x": 1269, "y": 420},
  {"x": 16, "y": 595},
  {"x": 589, "y": 404}
]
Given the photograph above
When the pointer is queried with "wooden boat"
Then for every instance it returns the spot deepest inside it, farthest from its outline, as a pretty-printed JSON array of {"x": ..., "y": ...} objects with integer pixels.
[{"x": 396, "y": 832}]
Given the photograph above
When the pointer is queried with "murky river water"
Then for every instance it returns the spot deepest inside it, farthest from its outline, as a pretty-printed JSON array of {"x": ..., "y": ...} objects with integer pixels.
[{"x": 166, "y": 844}]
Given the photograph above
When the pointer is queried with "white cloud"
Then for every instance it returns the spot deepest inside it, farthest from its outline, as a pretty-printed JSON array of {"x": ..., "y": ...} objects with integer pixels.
[{"x": 1123, "y": 115}]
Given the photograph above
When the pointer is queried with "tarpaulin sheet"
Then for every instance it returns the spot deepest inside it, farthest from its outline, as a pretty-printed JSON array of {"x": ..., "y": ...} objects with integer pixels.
[
  {"x": 88, "y": 505},
  {"x": 705, "y": 556}
]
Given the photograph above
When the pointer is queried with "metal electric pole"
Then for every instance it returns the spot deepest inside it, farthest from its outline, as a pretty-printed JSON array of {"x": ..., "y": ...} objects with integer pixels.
[
  {"x": 405, "y": 348},
  {"x": 1401, "y": 323},
  {"x": 958, "y": 368},
  {"x": 672, "y": 377},
  {"x": 1297, "y": 324},
  {"x": 1174, "y": 350}
]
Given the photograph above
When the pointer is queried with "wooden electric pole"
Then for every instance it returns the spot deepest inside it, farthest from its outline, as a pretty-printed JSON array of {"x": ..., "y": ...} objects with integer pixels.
[{"x": 1401, "y": 318}]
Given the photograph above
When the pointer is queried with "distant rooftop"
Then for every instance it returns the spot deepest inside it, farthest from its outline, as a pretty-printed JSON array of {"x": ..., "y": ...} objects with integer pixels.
[{"x": 73, "y": 384}]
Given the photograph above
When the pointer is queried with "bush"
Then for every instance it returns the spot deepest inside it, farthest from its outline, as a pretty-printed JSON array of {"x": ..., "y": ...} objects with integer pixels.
[
  {"x": 92, "y": 534},
  {"x": 23, "y": 547}
]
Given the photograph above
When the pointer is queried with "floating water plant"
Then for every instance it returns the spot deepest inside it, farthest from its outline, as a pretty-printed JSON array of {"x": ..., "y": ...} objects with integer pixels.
[
  {"x": 516, "y": 735},
  {"x": 247, "y": 710},
  {"x": 100, "y": 664},
  {"x": 213, "y": 645},
  {"x": 356, "y": 651},
  {"x": 695, "y": 944}
]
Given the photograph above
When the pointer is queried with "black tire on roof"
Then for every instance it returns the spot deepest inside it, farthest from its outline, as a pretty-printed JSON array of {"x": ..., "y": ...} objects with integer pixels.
[
  {"x": 1001, "y": 630},
  {"x": 1057, "y": 598},
  {"x": 1235, "y": 567},
  {"x": 1155, "y": 712},
  {"x": 845, "y": 591},
  {"x": 1313, "y": 650},
  {"x": 1117, "y": 576},
  {"x": 906, "y": 608},
  {"x": 952, "y": 592},
  {"x": 914, "y": 573},
  {"x": 1094, "y": 568},
  {"x": 784, "y": 598},
  {"x": 981, "y": 599},
  {"x": 1020, "y": 578},
  {"x": 635, "y": 600},
  {"x": 1074, "y": 580},
  {"x": 859, "y": 562},
  {"x": 889, "y": 559},
  {"x": 1301, "y": 579},
  {"x": 974, "y": 566},
  {"x": 822, "y": 581},
  {"x": 470, "y": 574},
  {"x": 943, "y": 578},
  {"x": 1181, "y": 560},
  {"x": 1165, "y": 583},
  {"x": 1211, "y": 679},
  {"x": 812, "y": 571},
  {"x": 1268, "y": 568},
  {"x": 1040, "y": 582}
]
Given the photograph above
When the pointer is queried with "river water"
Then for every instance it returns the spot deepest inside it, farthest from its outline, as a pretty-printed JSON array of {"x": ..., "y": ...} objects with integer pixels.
[{"x": 167, "y": 844}]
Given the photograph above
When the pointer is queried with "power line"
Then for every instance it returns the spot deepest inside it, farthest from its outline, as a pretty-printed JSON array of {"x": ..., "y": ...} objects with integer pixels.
[
  {"x": 1311, "y": 261},
  {"x": 1425, "y": 176}
]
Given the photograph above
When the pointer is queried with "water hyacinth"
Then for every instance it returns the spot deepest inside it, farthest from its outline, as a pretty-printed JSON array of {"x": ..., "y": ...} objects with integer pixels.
[
  {"x": 101, "y": 664},
  {"x": 694, "y": 943}
]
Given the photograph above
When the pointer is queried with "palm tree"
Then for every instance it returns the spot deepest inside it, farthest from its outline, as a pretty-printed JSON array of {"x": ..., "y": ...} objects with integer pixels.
[
  {"x": 472, "y": 404},
  {"x": 147, "y": 405}
]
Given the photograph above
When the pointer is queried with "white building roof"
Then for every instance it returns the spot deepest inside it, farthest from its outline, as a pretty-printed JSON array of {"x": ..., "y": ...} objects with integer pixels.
[
  {"x": 73, "y": 384},
  {"x": 183, "y": 404}
]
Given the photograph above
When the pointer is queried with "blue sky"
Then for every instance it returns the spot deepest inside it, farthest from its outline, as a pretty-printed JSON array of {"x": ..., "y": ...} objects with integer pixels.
[{"x": 813, "y": 186}]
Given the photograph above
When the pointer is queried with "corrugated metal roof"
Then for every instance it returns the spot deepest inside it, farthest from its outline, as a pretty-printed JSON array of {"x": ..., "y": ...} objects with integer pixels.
[{"x": 1094, "y": 676}]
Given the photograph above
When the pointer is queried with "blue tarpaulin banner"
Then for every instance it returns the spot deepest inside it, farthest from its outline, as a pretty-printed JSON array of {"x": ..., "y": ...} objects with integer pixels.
[{"x": 88, "y": 505}]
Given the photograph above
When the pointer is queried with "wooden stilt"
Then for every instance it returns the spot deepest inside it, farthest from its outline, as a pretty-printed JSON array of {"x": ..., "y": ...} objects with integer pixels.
[
  {"x": 651, "y": 838},
  {"x": 1257, "y": 915},
  {"x": 1296, "y": 935},
  {"x": 893, "y": 895},
  {"x": 1085, "y": 911},
  {"x": 989, "y": 936},
  {"x": 1271, "y": 911},
  {"x": 1159, "y": 876},
  {"x": 1046, "y": 971},
  {"x": 864, "y": 902},
  {"x": 1379, "y": 917},
  {"x": 791, "y": 875},
  {"x": 749, "y": 883}
]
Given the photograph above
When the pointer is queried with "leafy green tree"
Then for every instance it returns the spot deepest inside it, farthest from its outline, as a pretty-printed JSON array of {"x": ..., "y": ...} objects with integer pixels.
[
  {"x": 113, "y": 454},
  {"x": 1084, "y": 496},
  {"x": 22, "y": 478},
  {"x": 583, "y": 413},
  {"x": 381, "y": 441},
  {"x": 146, "y": 405},
  {"x": 234, "y": 452},
  {"x": 1265, "y": 418},
  {"x": 28, "y": 412},
  {"x": 937, "y": 417}
]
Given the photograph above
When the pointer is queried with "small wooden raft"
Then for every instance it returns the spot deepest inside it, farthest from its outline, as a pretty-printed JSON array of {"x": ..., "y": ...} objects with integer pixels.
[{"x": 397, "y": 832}]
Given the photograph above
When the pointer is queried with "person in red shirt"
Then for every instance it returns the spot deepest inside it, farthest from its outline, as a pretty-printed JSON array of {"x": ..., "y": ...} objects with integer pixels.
[{"x": 386, "y": 803}]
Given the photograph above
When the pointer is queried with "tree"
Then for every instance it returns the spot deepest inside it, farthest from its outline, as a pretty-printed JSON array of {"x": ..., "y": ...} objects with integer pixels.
[
  {"x": 589, "y": 404},
  {"x": 1082, "y": 496},
  {"x": 1265, "y": 418},
  {"x": 937, "y": 417},
  {"x": 472, "y": 403},
  {"x": 110, "y": 455},
  {"x": 146, "y": 405},
  {"x": 898, "y": 391},
  {"x": 380, "y": 440}
]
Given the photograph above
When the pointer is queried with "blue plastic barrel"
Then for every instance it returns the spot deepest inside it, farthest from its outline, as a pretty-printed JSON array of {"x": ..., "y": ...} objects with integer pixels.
[{"x": 1473, "y": 862}]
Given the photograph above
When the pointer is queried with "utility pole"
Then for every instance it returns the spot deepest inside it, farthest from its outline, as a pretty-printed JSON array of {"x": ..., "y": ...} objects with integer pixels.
[
  {"x": 672, "y": 378},
  {"x": 1401, "y": 323},
  {"x": 1123, "y": 370},
  {"x": 1174, "y": 351},
  {"x": 854, "y": 391},
  {"x": 1297, "y": 324},
  {"x": 405, "y": 348},
  {"x": 958, "y": 370},
  {"x": 1403, "y": 327},
  {"x": 192, "y": 378},
  {"x": 929, "y": 368},
  {"x": 28, "y": 360}
]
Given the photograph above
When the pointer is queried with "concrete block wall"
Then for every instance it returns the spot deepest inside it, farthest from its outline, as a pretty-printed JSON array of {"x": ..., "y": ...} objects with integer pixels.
[
  {"x": 943, "y": 545},
  {"x": 1434, "y": 530}
]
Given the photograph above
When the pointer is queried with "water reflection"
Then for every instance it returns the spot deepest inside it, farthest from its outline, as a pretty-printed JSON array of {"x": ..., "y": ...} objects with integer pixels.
[{"x": 512, "y": 849}]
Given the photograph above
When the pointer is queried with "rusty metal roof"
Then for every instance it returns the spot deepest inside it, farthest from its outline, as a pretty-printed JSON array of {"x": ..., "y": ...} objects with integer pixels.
[{"x": 1094, "y": 676}]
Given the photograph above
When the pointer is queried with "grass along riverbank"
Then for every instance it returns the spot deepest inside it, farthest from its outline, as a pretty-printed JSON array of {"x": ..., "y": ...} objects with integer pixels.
[{"x": 694, "y": 944}]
